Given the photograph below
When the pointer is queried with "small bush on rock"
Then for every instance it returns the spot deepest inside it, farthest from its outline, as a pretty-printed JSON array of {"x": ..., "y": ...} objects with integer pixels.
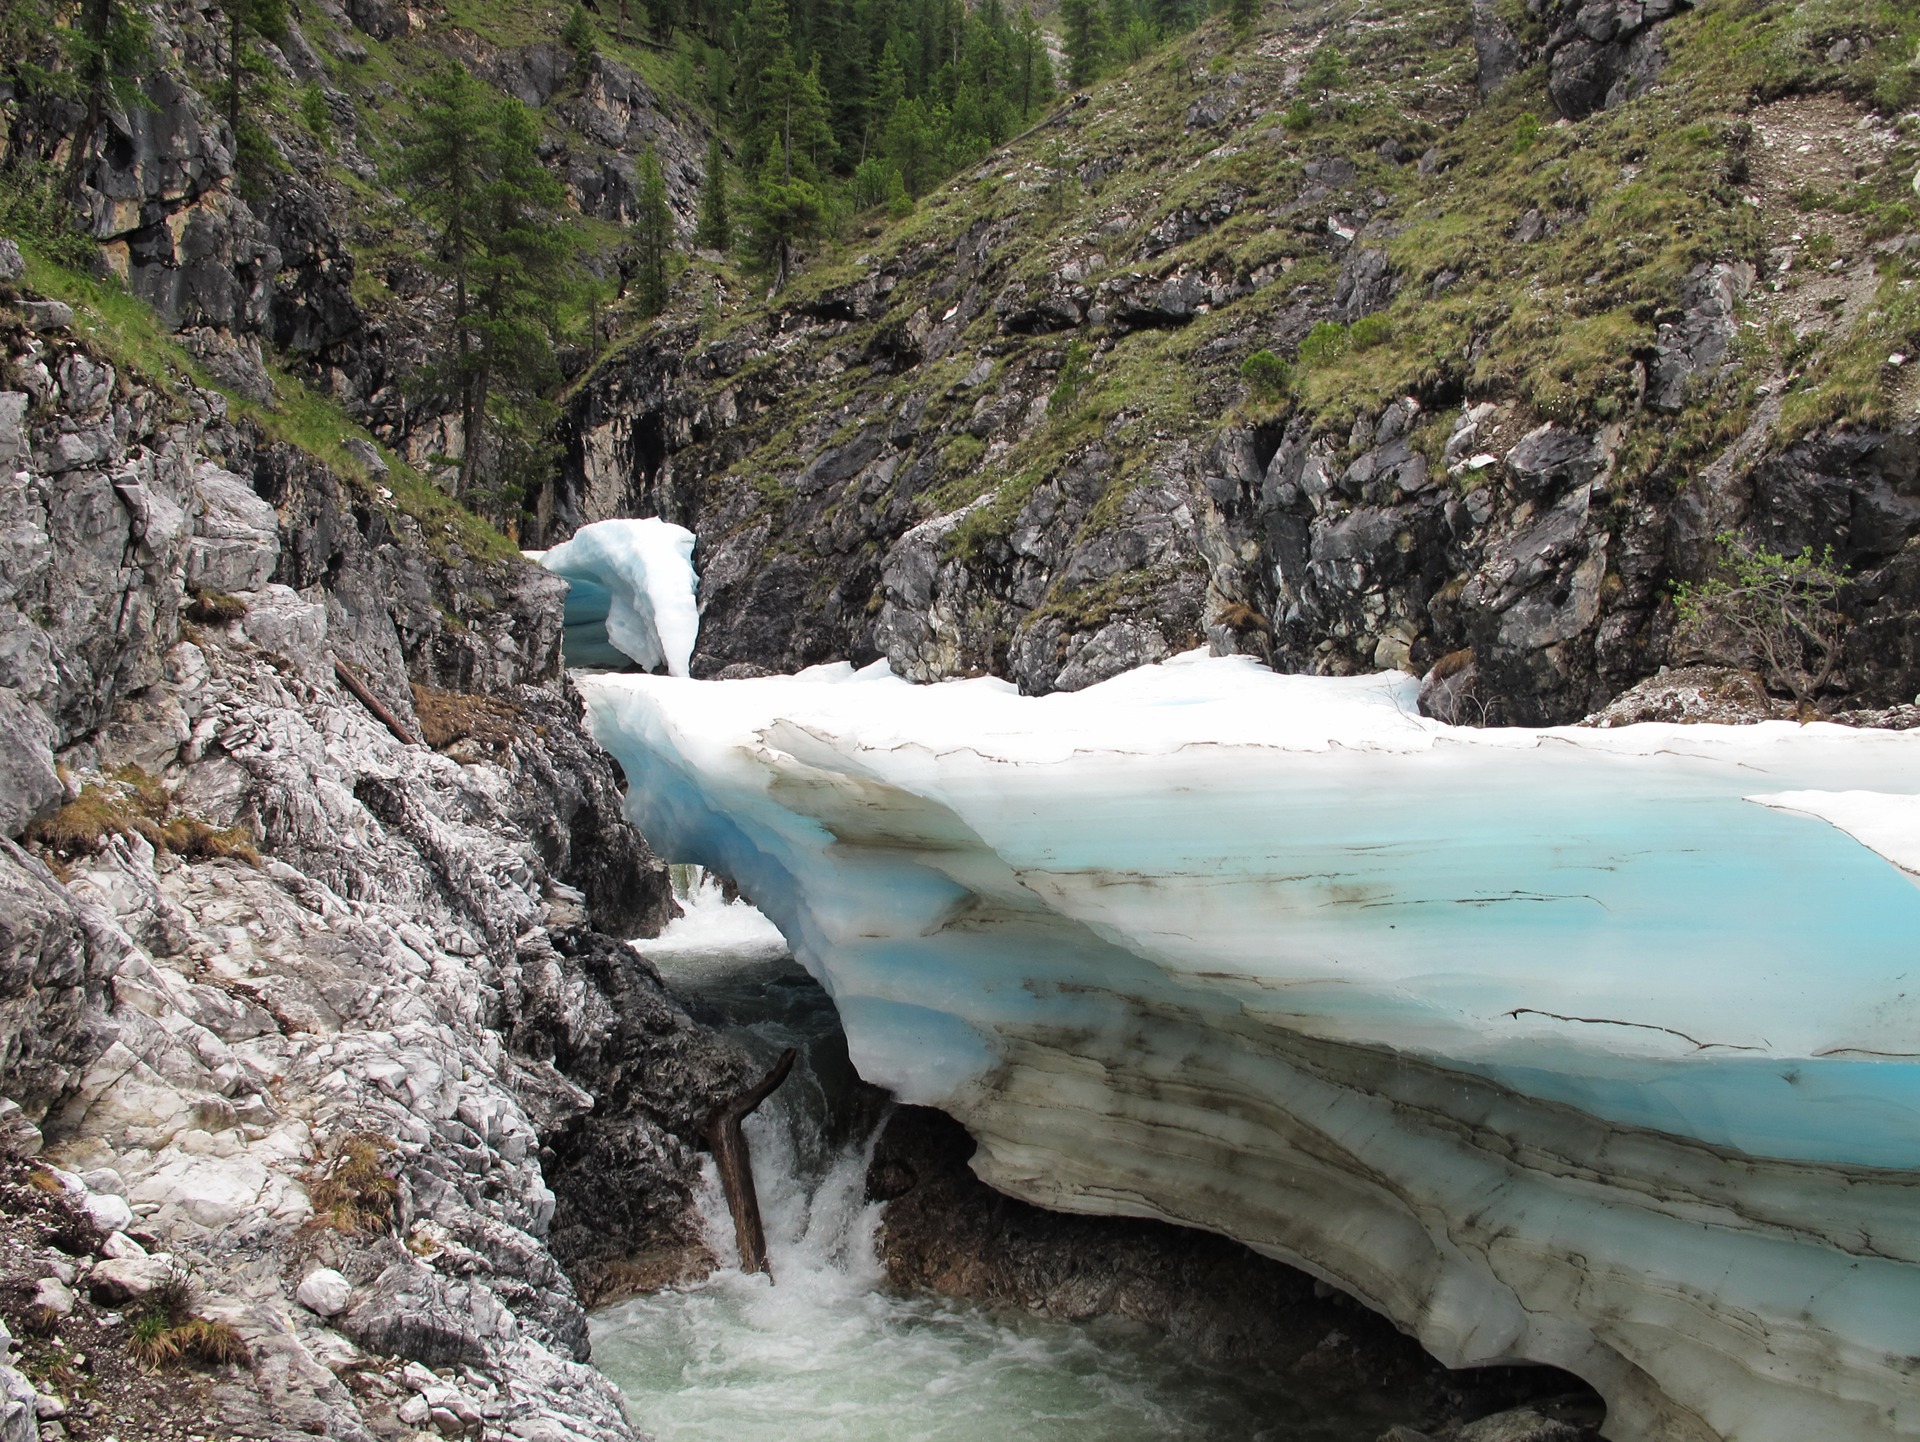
[
  {"x": 1777, "y": 611},
  {"x": 1268, "y": 376},
  {"x": 352, "y": 1191}
]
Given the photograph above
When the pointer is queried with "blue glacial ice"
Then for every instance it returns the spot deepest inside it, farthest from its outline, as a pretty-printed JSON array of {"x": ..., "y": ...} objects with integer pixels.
[
  {"x": 631, "y": 597},
  {"x": 1591, "y": 1047}
]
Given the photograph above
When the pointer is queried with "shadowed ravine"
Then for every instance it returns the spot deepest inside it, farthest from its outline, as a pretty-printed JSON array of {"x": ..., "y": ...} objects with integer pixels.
[{"x": 829, "y": 1351}]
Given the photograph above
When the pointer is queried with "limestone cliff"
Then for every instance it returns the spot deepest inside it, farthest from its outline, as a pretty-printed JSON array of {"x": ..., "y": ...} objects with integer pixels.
[{"x": 316, "y": 1000}]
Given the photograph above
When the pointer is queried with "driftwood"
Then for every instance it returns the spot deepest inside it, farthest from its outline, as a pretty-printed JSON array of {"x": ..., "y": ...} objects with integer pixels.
[
  {"x": 373, "y": 703},
  {"x": 729, "y": 1147}
]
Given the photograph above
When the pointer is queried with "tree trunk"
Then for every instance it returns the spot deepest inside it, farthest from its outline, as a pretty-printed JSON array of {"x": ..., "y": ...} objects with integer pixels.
[
  {"x": 97, "y": 19},
  {"x": 729, "y": 1146},
  {"x": 233, "y": 73}
]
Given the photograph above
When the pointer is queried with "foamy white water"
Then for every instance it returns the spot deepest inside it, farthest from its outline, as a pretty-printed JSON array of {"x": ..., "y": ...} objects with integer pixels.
[{"x": 823, "y": 1353}]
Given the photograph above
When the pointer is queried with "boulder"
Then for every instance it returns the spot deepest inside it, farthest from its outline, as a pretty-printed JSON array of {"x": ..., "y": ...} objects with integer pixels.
[
  {"x": 324, "y": 1292},
  {"x": 120, "y": 1280},
  {"x": 110, "y": 1213},
  {"x": 53, "y": 1296},
  {"x": 12, "y": 267},
  {"x": 44, "y": 315}
]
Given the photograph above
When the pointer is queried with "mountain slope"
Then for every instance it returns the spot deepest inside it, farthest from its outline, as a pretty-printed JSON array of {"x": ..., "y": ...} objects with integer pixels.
[{"x": 1560, "y": 295}]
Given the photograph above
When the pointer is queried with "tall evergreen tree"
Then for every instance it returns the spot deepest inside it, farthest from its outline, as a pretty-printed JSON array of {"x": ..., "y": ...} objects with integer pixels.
[
  {"x": 247, "y": 19},
  {"x": 476, "y": 175},
  {"x": 713, "y": 230},
  {"x": 653, "y": 238},
  {"x": 1086, "y": 24},
  {"x": 786, "y": 210}
]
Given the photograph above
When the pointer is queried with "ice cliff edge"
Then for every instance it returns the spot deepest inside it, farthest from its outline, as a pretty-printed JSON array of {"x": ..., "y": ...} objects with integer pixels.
[{"x": 1589, "y": 1047}]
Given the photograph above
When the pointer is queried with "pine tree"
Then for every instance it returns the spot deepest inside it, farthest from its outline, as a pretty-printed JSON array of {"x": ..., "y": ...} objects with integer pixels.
[
  {"x": 246, "y": 19},
  {"x": 1035, "y": 74},
  {"x": 653, "y": 238},
  {"x": 714, "y": 228},
  {"x": 1242, "y": 13},
  {"x": 578, "y": 36},
  {"x": 786, "y": 209},
  {"x": 108, "y": 49},
  {"x": 1086, "y": 24},
  {"x": 477, "y": 179}
]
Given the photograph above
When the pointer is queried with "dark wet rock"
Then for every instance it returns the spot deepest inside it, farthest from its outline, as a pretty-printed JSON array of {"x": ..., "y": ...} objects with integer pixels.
[
  {"x": 1602, "y": 52},
  {"x": 1551, "y": 459},
  {"x": 1498, "y": 54},
  {"x": 947, "y": 1231}
]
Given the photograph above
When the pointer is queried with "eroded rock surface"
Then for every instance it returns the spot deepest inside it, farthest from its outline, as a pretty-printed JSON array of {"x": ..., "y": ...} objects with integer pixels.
[{"x": 318, "y": 1014}]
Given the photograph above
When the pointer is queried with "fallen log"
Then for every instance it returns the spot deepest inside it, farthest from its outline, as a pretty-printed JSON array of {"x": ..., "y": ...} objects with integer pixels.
[
  {"x": 729, "y": 1147},
  {"x": 373, "y": 703}
]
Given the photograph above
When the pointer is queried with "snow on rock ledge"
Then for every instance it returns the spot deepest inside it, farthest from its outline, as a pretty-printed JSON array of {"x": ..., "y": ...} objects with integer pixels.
[
  {"x": 1552, "y": 1045},
  {"x": 631, "y": 597}
]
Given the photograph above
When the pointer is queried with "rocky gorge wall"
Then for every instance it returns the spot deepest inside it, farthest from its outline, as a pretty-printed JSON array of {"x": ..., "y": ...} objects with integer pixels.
[
  {"x": 308, "y": 258},
  {"x": 1496, "y": 450},
  {"x": 335, "y": 1023}
]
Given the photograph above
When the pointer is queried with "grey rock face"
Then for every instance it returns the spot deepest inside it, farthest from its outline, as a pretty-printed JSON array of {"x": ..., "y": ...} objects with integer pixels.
[
  {"x": 1700, "y": 340},
  {"x": 29, "y": 787},
  {"x": 408, "y": 961},
  {"x": 1498, "y": 55},
  {"x": 56, "y": 956},
  {"x": 1602, "y": 52},
  {"x": 12, "y": 267}
]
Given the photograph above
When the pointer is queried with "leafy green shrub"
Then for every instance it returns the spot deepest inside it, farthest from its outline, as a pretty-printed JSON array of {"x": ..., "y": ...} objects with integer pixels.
[
  {"x": 1526, "y": 130},
  {"x": 1325, "y": 71},
  {"x": 35, "y": 212},
  {"x": 1761, "y": 607},
  {"x": 1325, "y": 343},
  {"x": 1299, "y": 117},
  {"x": 315, "y": 118},
  {"x": 1076, "y": 369},
  {"x": 1369, "y": 331},
  {"x": 1268, "y": 376}
]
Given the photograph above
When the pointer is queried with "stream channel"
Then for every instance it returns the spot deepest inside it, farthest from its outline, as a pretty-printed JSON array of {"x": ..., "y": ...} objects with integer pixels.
[{"x": 831, "y": 1352}]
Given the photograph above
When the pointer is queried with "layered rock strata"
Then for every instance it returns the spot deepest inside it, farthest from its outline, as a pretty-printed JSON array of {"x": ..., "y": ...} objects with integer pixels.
[{"x": 335, "y": 1019}]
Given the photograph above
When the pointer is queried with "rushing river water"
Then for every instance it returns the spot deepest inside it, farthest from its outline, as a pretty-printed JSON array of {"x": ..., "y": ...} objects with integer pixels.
[{"x": 829, "y": 1353}]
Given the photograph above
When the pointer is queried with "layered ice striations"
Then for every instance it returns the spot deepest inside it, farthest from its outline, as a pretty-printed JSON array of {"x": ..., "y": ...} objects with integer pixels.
[
  {"x": 1591, "y": 1047},
  {"x": 631, "y": 597}
]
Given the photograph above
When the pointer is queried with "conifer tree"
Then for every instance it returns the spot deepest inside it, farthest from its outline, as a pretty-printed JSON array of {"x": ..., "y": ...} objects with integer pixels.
[
  {"x": 476, "y": 177},
  {"x": 578, "y": 36},
  {"x": 1086, "y": 24},
  {"x": 245, "y": 20},
  {"x": 713, "y": 230},
  {"x": 653, "y": 238}
]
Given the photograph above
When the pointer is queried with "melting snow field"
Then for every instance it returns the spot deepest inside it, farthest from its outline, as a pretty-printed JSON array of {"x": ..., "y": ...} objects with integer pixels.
[{"x": 1592, "y": 1047}]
